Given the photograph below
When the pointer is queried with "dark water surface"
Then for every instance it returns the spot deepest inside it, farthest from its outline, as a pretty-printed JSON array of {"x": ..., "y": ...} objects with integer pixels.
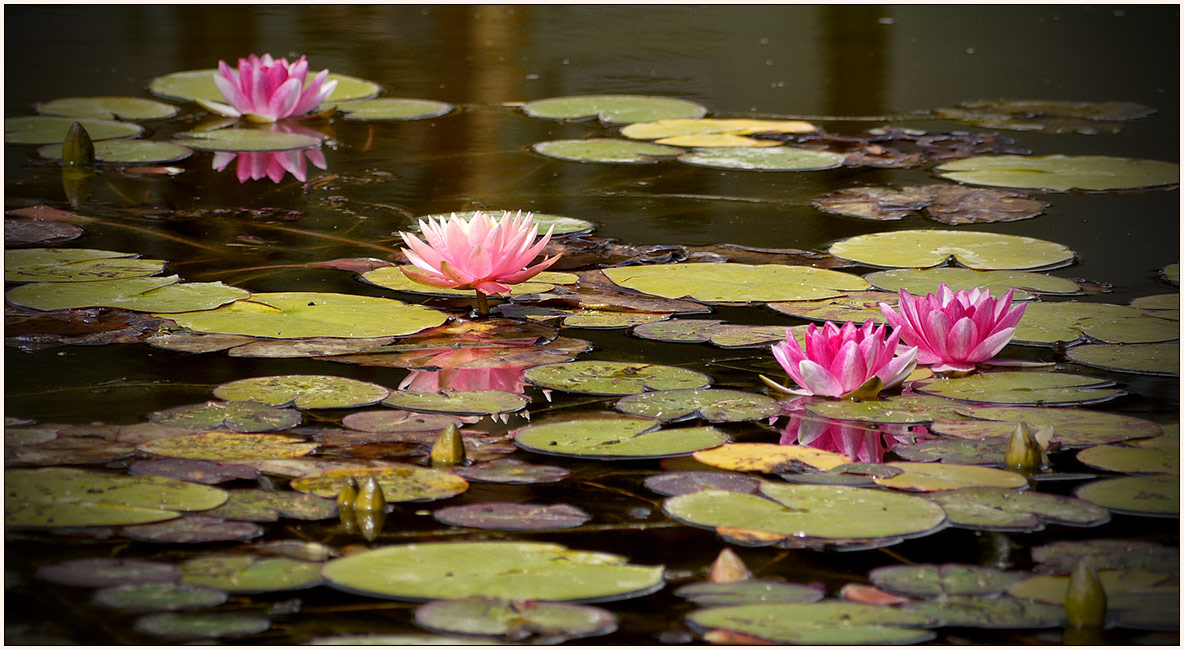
[{"x": 857, "y": 65}]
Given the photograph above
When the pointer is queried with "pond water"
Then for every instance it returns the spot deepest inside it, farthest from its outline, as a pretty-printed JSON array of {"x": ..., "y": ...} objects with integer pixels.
[{"x": 845, "y": 69}]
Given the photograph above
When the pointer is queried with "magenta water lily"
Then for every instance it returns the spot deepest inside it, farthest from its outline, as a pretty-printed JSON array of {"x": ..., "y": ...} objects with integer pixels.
[
  {"x": 954, "y": 331},
  {"x": 845, "y": 361},
  {"x": 264, "y": 89}
]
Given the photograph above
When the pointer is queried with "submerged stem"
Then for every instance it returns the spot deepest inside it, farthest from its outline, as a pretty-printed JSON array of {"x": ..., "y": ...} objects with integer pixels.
[{"x": 482, "y": 304}]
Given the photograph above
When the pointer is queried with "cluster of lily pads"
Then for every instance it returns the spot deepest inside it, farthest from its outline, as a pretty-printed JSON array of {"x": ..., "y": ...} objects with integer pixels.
[{"x": 754, "y": 469}]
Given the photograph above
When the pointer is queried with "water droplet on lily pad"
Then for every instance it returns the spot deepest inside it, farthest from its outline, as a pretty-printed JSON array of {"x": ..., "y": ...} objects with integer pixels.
[
  {"x": 1061, "y": 173},
  {"x": 614, "y": 109},
  {"x": 976, "y": 250},
  {"x": 605, "y": 150}
]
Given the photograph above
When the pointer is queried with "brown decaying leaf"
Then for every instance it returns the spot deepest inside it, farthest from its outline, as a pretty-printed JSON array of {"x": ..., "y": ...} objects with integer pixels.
[
  {"x": 78, "y": 444},
  {"x": 19, "y": 231},
  {"x": 950, "y": 204},
  {"x": 85, "y": 326},
  {"x": 728, "y": 568},
  {"x": 870, "y": 595},
  {"x": 891, "y": 147}
]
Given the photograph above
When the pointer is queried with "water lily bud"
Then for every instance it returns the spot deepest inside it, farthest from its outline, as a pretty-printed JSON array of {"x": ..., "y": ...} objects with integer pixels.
[
  {"x": 77, "y": 148},
  {"x": 449, "y": 448},
  {"x": 370, "y": 497},
  {"x": 349, "y": 492},
  {"x": 1085, "y": 599},
  {"x": 1023, "y": 453},
  {"x": 370, "y": 523},
  {"x": 728, "y": 567}
]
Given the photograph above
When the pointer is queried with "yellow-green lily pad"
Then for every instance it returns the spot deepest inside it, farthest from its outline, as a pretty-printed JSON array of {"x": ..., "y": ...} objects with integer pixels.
[
  {"x": 710, "y": 404},
  {"x": 199, "y": 84},
  {"x": 1052, "y": 589},
  {"x": 250, "y": 574},
  {"x": 1046, "y": 323},
  {"x": 1061, "y": 173},
  {"x": 75, "y": 265},
  {"x": 514, "y": 620},
  {"x": 731, "y": 282},
  {"x": 831, "y": 622},
  {"x": 1022, "y": 388},
  {"x": 712, "y": 126},
  {"x": 260, "y": 505},
  {"x": 770, "y": 159},
  {"x": 460, "y": 402},
  {"x": 160, "y": 294},
  {"x": 398, "y": 482},
  {"x": 1010, "y": 510},
  {"x": 159, "y": 597},
  {"x": 216, "y": 445},
  {"x": 857, "y": 307},
  {"x": 512, "y": 570},
  {"x": 1156, "y": 495},
  {"x": 614, "y": 109},
  {"x": 307, "y": 314},
  {"x": 126, "y": 152},
  {"x": 769, "y": 458},
  {"x": 611, "y": 437},
  {"x": 920, "y": 282},
  {"x": 47, "y": 130},
  {"x": 605, "y": 150},
  {"x": 237, "y": 140},
  {"x": 989, "y": 612},
  {"x": 930, "y": 580},
  {"x": 1142, "y": 359},
  {"x": 1132, "y": 460},
  {"x": 977, "y": 250},
  {"x": 931, "y": 477},
  {"x": 891, "y": 409},
  {"x": 243, "y": 417},
  {"x": 201, "y": 625},
  {"x": 108, "y": 108},
  {"x": 613, "y": 377},
  {"x": 390, "y": 108},
  {"x": 303, "y": 391},
  {"x": 1071, "y": 427}
]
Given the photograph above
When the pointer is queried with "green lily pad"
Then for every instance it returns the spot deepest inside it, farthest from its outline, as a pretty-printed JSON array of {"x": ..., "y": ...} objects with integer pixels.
[
  {"x": 1061, "y": 556},
  {"x": 243, "y": 417},
  {"x": 108, "y": 108},
  {"x": 770, "y": 159},
  {"x": 159, "y": 294},
  {"x": 613, "y": 377},
  {"x": 398, "y": 482},
  {"x": 1146, "y": 359},
  {"x": 513, "y": 516},
  {"x": 1072, "y": 427},
  {"x": 1132, "y": 460},
  {"x": 710, "y": 404},
  {"x": 1052, "y": 589},
  {"x": 400, "y": 640},
  {"x": 559, "y": 225},
  {"x": 1157, "y": 495},
  {"x": 676, "y": 331},
  {"x": 258, "y": 505},
  {"x": 769, "y": 458},
  {"x": 1158, "y": 302},
  {"x": 159, "y": 597},
  {"x": 391, "y": 108},
  {"x": 391, "y": 277},
  {"x": 199, "y": 84},
  {"x": 1003, "y": 509},
  {"x": 924, "y": 281},
  {"x": 1146, "y": 611},
  {"x": 460, "y": 402},
  {"x": 1060, "y": 173},
  {"x": 236, "y": 140},
  {"x": 512, "y": 471},
  {"x": 1171, "y": 273},
  {"x": 977, "y": 250},
  {"x": 931, "y": 477},
  {"x": 989, "y": 612},
  {"x": 674, "y": 483},
  {"x": 75, "y": 265},
  {"x": 192, "y": 625},
  {"x": 56, "y": 496},
  {"x": 303, "y": 391},
  {"x": 730, "y": 282},
  {"x": 48, "y": 130},
  {"x": 1023, "y": 388},
  {"x": 730, "y": 336},
  {"x": 892, "y": 409},
  {"x": 590, "y": 319},
  {"x": 826, "y": 622},
  {"x": 250, "y": 574},
  {"x": 1046, "y": 323},
  {"x": 614, "y": 109},
  {"x": 398, "y": 421},
  {"x": 988, "y": 451},
  {"x": 307, "y": 314},
  {"x": 926, "y": 580},
  {"x": 512, "y": 570},
  {"x": 1051, "y": 116},
  {"x": 857, "y": 307},
  {"x": 605, "y": 150},
  {"x": 745, "y": 592},
  {"x": 682, "y": 128},
  {"x": 108, "y": 572},
  {"x": 615, "y": 437},
  {"x": 126, "y": 151},
  {"x": 515, "y": 620},
  {"x": 214, "y": 445}
]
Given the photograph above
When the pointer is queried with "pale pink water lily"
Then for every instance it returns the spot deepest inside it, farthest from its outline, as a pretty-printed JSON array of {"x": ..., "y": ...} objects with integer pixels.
[
  {"x": 271, "y": 164},
  {"x": 954, "y": 331},
  {"x": 477, "y": 253},
  {"x": 264, "y": 89},
  {"x": 838, "y": 361}
]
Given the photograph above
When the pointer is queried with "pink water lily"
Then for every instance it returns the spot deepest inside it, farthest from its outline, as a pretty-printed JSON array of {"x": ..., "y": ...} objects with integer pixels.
[
  {"x": 954, "y": 331},
  {"x": 271, "y": 164},
  {"x": 264, "y": 89},
  {"x": 477, "y": 253},
  {"x": 839, "y": 361}
]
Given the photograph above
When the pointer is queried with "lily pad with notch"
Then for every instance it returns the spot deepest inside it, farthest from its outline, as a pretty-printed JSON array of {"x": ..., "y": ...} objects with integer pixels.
[
  {"x": 984, "y": 251},
  {"x": 1061, "y": 173},
  {"x": 75, "y": 265},
  {"x": 513, "y": 516},
  {"x": 736, "y": 283},
  {"x": 303, "y": 391},
  {"x": 515, "y": 620},
  {"x": 950, "y": 204},
  {"x": 892, "y": 409},
  {"x": 1132, "y": 460},
  {"x": 126, "y": 152},
  {"x": 613, "y": 377},
  {"x": 48, "y": 130},
  {"x": 674, "y": 483},
  {"x": 1156, "y": 495},
  {"x": 193, "y": 529},
  {"x": 389, "y": 108},
  {"x": 987, "y": 451},
  {"x": 1008, "y": 510},
  {"x": 767, "y": 159},
  {"x": 399, "y": 421},
  {"x": 1072, "y": 427},
  {"x": 399, "y": 483},
  {"x": 614, "y": 109},
  {"x": 158, "y": 597},
  {"x": 769, "y": 458},
  {"x": 605, "y": 150},
  {"x": 615, "y": 437},
  {"x": 242, "y": 140},
  {"x": 710, "y": 404},
  {"x": 988, "y": 612},
  {"x": 1022, "y": 388},
  {"x": 107, "y": 108},
  {"x": 1047, "y": 323},
  {"x": 944, "y": 580},
  {"x": 1161, "y": 359},
  {"x": 459, "y": 402},
  {"x": 259, "y": 505},
  {"x": 241, "y": 417},
  {"x": 675, "y": 131},
  {"x": 825, "y": 622},
  {"x": 932, "y": 477},
  {"x": 158, "y": 294},
  {"x": 920, "y": 282},
  {"x": 250, "y": 574}
]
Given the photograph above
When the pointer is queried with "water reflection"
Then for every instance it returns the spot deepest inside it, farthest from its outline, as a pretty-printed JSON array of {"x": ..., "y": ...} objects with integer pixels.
[
  {"x": 271, "y": 164},
  {"x": 505, "y": 378},
  {"x": 855, "y": 441}
]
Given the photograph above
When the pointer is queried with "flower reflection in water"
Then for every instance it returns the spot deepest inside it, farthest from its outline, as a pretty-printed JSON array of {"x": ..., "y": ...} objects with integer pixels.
[
  {"x": 508, "y": 379},
  {"x": 859, "y": 442},
  {"x": 271, "y": 164}
]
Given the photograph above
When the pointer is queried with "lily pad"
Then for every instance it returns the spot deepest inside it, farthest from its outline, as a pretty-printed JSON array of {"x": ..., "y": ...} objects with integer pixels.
[
  {"x": 398, "y": 482},
  {"x": 710, "y": 404},
  {"x": 460, "y": 402},
  {"x": 236, "y": 140},
  {"x": 769, "y": 458},
  {"x": 605, "y": 150},
  {"x": 615, "y": 437},
  {"x": 558, "y": 225},
  {"x": 306, "y": 314},
  {"x": 1061, "y": 556},
  {"x": 192, "y": 625},
  {"x": 1131, "y": 460},
  {"x": 199, "y": 84},
  {"x": 927, "y": 580},
  {"x": 977, "y": 250},
  {"x": 856, "y": 306},
  {"x": 108, "y": 108},
  {"x": 48, "y": 130},
  {"x": 398, "y": 421},
  {"x": 214, "y": 445},
  {"x": 950, "y": 204},
  {"x": 1024, "y": 388},
  {"x": 108, "y": 572},
  {"x": 1046, "y": 323},
  {"x": 747, "y": 592},
  {"x": 56, "y": 497},
  {"x": 924, "y": 281},
  {"x": 827, "y": 622},
  {"x": 676, "y": 483},
  {"x": 988, "y": 451},
  {"x": 730, "y": 282},
  {"x": 1061, "y": 173},
  {"x": 1051, "y": 589},
  {"x": 613, "y": 377},
  {"x": 158, "y": 294},
  {"x": 391, "y": 277},
  {"x": 75, "y": 265},
  {"x": 515, "y": 620},
  {"x": 769, "y": 159},
  {"x": 512, "y": 471},
  {"x": 159, "y": 597},
  {"x": 931, "y": 477},
  {"x": 892, "y": 409},
  {"x": 989, "y": 612},
  {"x": 1146, "y": 359},
  {"x": 1072, "y": 427},
  {"x": 677, "y": 330},
  {"x": 242, "y": 417},
  {"x": 614, "y": 109},
  {"x": 18, "y": 231},
  {"x": 303, "y": 391},
  {"x": 391, "y": 108},
  {"x": 126, "y": 152},
  {"x": 249, "y": 573},
  {"x": 1151, "y": 496},
  {"x": 400, "y": 640},
  {"x": 512, "y": 570},
  {"x": 1046, "y": 115},
  {"x": 259, "y": 505},
  {"x": 712, "y": 126},
  {"x": 513, "y": 516}
]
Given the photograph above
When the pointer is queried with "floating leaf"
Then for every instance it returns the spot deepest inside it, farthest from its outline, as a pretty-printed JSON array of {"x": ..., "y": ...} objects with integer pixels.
[
  {"x": 1060, "y": 557},
  {"x": 926, "y": 580},
  {"x": 711, "y": 404},
  {"x": 398, "y": 482},
  {"x": 892, "y": 409},
  {"x": 712, "y": 126},
  {"x": 199, "y": 84},
  {"x": 74, "y": 265},
  {"x": 247, "y": 140},
  {"x": 1046, "y": 323},
  {"x": 108, "y": 572},
  {"x": 989, "y": 612},
  {"x": 1046, "y": 115},
  {"x": 605, "y": 150},
  {"x": 772, "y": 159},
  {"x": 676, "y": 483},
  {"x": 513, "y": 516},
  {"x": 988, "y": 451},
  {"x": 55, "y": 497},
  {"x": 250, "y": 574},
  {"x": 194, "y": 471},
  {"x": 857, "y": 306},
  {"x": 242, "y": 417},
  {"x": 400, "y": 640},
  {"x": 930, "y": 477},
  {"x": 769, "y": 458},
  {"x": 614, "y": 109},
  {"x": 215, "y": 445},
  {"x": 613, "y": 377},
  {"x": 161, "y": 597},
  {"x": 48, "y": 130},
  {"x": 391, "y": 108},
  {"x": 736, "y": 282},
  {"x": 1152, "y": 496},
  {"x": 1146, "y": 359},
  {"x": 392, "y": 277},
  {"x": 466, "y": 402},
  {"x": 1071, "y": 427},
  {"x": 677, "y": 330},
  {"x": 108, "y": 108},
  {"x": 515, "y": 620},
  {"x": 258, "y": 505},
  {"x": 126, "y": 152},
  {"x": 1132, "y": 460},
  {"x": 512, "y": 471},
  {"x": 976, "y": 250},
  {"x": 615, "y": 437},
  {"x": 951, "y": 204},
  {"x": 38, "y": 231},
  {"x": 194, "y": 529},
  {"x": 190, "y": 625},
  {"x": 828, "y": 622},
  {"x": 304, "y": 314},
  {"x": 1022, "y": 388},
  {"x": 559, "y": 225},
  {"x": 303, "y": 391},
  {"x": 1052, "y": 589},
  {"x": 159, "y": 294},
  {"x": 920, "y": 282},
  {"x": 398, "y": 421},
  {"x": 512, "y": 570},
  {"x": 1060, "y": 173},
  {"x": 745, "y": 592}
]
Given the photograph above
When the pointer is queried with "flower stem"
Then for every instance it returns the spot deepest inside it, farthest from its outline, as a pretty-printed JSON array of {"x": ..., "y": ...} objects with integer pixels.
[{"x": 482, "y": 304}]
